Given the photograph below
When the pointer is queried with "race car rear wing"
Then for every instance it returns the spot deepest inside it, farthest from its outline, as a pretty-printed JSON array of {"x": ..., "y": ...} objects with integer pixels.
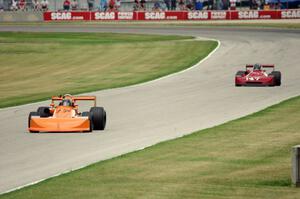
[
  {"x": 75, "y": 98},
  {"x": 263, "y": 65}
]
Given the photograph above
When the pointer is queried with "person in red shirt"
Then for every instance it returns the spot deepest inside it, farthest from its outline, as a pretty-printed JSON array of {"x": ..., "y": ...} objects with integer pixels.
[
  {"x": 67, "y": 4},
  {"x": 22, "y": 4},
  {"x": 111, "y": 5}
]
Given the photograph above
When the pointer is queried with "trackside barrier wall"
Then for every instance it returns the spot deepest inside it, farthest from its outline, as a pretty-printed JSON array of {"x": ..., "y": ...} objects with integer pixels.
[
  {"x": 21, "y": 16},
  {"x": 173, "y": 15}
]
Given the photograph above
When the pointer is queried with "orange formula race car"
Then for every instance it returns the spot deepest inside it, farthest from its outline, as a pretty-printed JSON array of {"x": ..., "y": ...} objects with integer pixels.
[{"x": 65, "y": 117}]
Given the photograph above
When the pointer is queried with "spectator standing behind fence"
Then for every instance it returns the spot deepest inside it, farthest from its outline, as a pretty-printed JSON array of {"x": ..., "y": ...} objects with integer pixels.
[
  {"x": 232, "y": 4},
  {"x": 36, "y": 5},
  {"x": 103, "y": 5},
  {"x": 90, "y": 4},
  {"x": 111, "y": 5},
  {"x": 66, "y": 5},
  {"x": 118, "y": 5},
  {"x": 198, "y": 5},
  {"x": 181, "y": 4},
  {"x": 14, "y": 5},
  {"x": 225, "y": 4},
  {"x": 210, "y": 4},
  {"x": 1, "y": 7},
  {"x": 44, "y": 5},
  {"x": 74, "y": 5},
  {"x": 253, "y": 4},
  {"x": 136, "y": 5},
  {"x": 189, "y": 5},
  {"x": 22, "y": 5},
  {"x": 143, "y": 5},
  {"x": 259, "y": 4},
  {"x": 173, "y": 4},
  {"x": 156, "y": 7},
  {"x": 168, "y": 4}
]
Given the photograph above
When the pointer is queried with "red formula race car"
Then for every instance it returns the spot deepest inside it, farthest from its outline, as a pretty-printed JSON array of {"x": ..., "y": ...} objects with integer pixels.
[
  {"x": 257, "y": 75},
  {"x": 65, "y": 116}
]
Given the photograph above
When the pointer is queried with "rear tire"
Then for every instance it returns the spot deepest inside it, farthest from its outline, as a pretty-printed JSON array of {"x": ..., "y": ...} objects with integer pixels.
[
  {"x": 277, "y": 77},
  {"x": 98, "y": 116},
  {"x": 29, "y": 118},
  {"x": 44, "y": 111}
]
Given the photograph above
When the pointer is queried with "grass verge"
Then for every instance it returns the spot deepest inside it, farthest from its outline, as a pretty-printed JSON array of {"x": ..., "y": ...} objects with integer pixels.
[
  {"x": 35, "y": 66},
  {"x": 244, "y": 158}
]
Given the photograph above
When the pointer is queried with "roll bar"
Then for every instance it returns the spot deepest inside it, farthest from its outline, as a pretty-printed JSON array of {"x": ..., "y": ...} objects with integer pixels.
[{"x": 75, "y": 98}]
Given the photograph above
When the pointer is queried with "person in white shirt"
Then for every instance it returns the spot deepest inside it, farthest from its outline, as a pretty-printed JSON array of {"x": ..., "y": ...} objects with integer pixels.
[
  {"x": 44, "y": 5},
  {"x": 14, "y": 5},
  {"x": 36, "y": 5},
  {"x": 74, "y": 5}
]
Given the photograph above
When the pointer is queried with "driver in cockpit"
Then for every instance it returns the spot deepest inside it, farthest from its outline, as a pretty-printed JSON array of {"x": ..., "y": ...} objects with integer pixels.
[
  {"x": 66, "y": 102},
  {"x": 257, "y": 67}
]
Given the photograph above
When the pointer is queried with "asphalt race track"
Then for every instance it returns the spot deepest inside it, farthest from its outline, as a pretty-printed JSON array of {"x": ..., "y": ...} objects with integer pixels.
[{"x": 146, "y": 114}]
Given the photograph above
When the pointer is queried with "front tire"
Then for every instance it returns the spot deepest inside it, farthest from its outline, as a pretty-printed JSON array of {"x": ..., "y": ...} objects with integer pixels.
[
  {"x": 98, "y": 116},
  {"x": 240, "y": 73},
  {"x": 44, "y": 111}
]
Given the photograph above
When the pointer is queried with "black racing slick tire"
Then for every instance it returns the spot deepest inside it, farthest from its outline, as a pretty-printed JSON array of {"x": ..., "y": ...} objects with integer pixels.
[
  {"x": 98, "y": 116},
  {"x": 44, "y": 111},
  {"x": 277, "y": 77},
  {"x": 29, "y": 118},
  {"x": 87, "y": 114}
]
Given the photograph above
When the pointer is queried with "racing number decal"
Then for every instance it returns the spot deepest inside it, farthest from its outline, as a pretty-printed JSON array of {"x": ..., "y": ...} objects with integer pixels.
[{"x": 253, "y": 78}]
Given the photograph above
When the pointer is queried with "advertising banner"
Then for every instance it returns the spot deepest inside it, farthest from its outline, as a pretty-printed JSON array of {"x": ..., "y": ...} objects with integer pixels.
[{"x": 173, "y": 15}]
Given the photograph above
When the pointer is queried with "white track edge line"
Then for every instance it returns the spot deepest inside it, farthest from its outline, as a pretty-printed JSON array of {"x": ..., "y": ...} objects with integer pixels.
[
  {"x": 138, "y": 84},
  {"x": 179, "y": 72},
  {"x": 81, "y": 167}
]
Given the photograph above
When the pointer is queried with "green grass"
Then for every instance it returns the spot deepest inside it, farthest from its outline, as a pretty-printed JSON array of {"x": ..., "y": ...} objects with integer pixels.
[
  {"x": 246, "y": 158},
  {"x": 35, "y": 66}
]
